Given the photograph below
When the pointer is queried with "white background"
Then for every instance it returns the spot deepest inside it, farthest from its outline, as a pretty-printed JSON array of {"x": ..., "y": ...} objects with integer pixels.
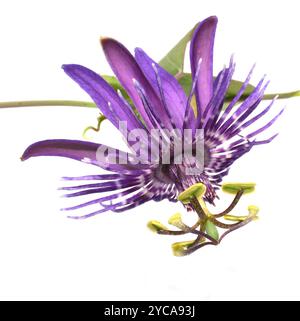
[{"x": 44, "y": 255}]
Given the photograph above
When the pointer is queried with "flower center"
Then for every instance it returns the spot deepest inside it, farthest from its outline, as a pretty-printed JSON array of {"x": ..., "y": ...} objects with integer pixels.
[{"x": 186, "y": 169}]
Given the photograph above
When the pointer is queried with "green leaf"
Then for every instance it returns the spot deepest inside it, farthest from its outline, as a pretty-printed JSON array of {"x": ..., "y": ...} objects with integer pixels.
[
  {"x": 114, "y": 82},
  {"x": 185, "y": 80},
  {"x": 173, "y": 61},
  {"x": 211, "y": 230},
  {"x": 235, "y": 86}
]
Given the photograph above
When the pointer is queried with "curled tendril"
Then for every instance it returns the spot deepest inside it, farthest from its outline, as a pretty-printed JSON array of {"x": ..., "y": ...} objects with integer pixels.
[
  {"x": 206, "y": 227},
  {"x": 100, "y": 119}
]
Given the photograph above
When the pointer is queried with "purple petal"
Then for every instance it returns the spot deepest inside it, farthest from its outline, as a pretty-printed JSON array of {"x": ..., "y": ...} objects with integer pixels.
[
  {"x": 127, "y": 70},
  {"x": 103, "y": 188},
  {"x": 214, "y": 107},
  {"x": 103, "y": 198},
  {"x": 93, "y": 177},
  {"x": 106, "y": 98},
  {"x": 202, "y": 48},
  {"x": 265, "y": 141},
  {"x": 173, "y": 93},
  {"x": 131, "y": 199},
  {"x": 235, "y": 130},
  {"x": 270, "y": 123},
  {"x": 116, "y": 184},
  {"x": 86, "y": 152},
  {"x": 235, "y": 99},
  {"x": 91, "y": 214},
  {"x": 133, "y": 203},
  {"x": 246, "y": 108}
]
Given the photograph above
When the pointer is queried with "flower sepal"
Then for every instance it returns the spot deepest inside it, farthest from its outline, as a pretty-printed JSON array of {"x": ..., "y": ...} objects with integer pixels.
[{"x": 208, "y": 224}]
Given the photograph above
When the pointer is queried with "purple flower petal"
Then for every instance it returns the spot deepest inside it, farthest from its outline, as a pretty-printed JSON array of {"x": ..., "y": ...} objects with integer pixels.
[
  {"x": 106, "y": 98},
  {"x": 116, "y": 183},
  {"x": 128, "y": 72},
  {"x": 93, "y": 177},
  {"x": 86, "y": 152},
  {"x": 214, "y": 107},
  {"x": 109, "y": 197},
  {"x": 236, "y": 130},
  {"x": 133, "y": 203},
  {"x": 265, "y": 141},
  {"x": 269, "y": 124},
  {"x": 235, "y": 99},
  {"x": 202, "y": 48},
  {"x": 103, "y": 210},
  {"x": 173, "y": 94},
  {"x": 103, "y": 187},
  {"x": 162, "y": 103},
  {"x": 245, "y": 108}
]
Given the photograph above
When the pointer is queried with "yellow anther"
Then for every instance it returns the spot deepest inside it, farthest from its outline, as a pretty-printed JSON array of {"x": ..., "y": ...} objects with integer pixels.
[
  {"x": 156, "y": 226},
  {"x": 253, "y": 210},
  {"x": 180, "y": 248},
  {"x": 176, "y": 220}
]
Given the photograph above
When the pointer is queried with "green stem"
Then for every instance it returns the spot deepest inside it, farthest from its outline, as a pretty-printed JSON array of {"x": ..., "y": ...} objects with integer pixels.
[
  {"x": 283, "y": 95},
  {"x": 290, "y": 94},
  {"x": 38, "y": 103}
]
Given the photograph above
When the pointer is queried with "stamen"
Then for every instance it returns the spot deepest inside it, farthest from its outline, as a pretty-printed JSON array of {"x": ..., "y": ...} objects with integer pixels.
[
  {"x": 206, "y": 226},
  {"x": 232, "y": 205}
]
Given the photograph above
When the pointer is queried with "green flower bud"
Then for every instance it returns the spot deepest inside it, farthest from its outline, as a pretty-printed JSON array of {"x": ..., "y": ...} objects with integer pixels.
[
  {"x": 196, "y": 190},
  {"x": 234, "y": 188},
  {"x": 211, "y": 230}
]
